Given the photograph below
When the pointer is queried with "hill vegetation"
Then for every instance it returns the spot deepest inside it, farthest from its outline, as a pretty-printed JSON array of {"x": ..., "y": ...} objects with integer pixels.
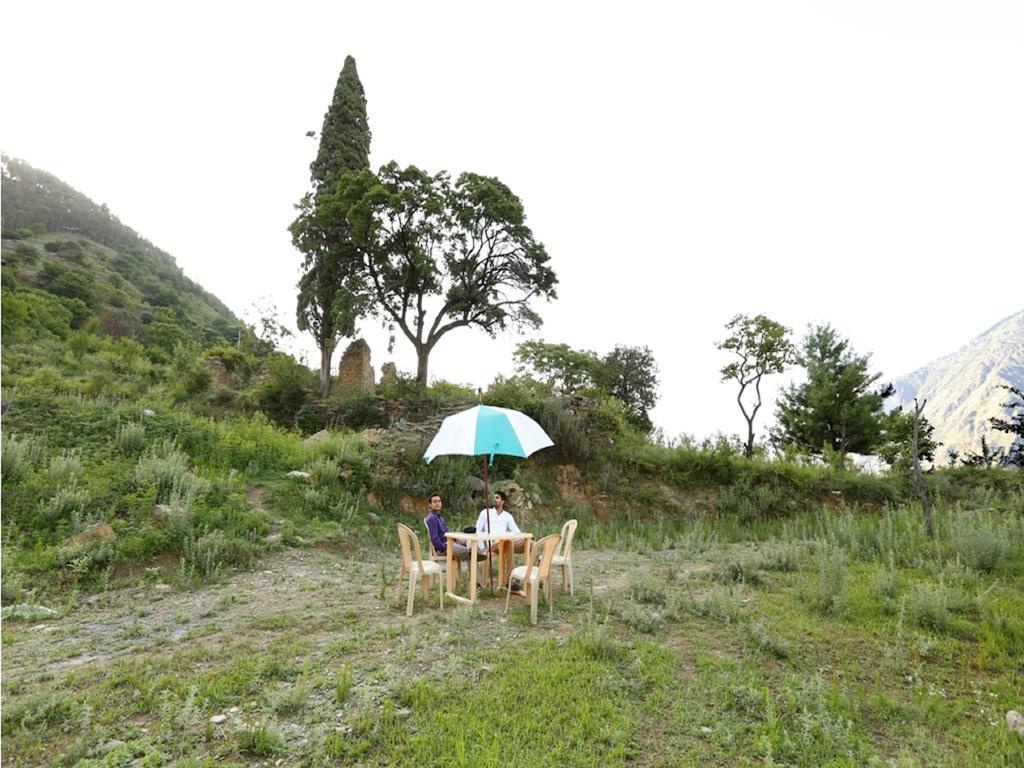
[{"x": 147, "y": 443}]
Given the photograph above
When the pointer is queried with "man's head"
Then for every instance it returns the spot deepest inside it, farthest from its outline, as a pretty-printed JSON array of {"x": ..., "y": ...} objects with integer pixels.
[
  {"x": 434, "y": 502},
  {"x": 500, "y": 500}
]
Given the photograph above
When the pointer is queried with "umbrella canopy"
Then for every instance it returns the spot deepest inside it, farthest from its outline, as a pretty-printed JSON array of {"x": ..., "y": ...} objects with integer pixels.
[{"x": 488, "y": 431}]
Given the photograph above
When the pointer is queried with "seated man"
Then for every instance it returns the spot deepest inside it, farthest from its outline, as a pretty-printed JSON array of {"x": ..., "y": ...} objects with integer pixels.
[
  {"x": 497, "y": 519},
  {"x": 437, "y": 529}
]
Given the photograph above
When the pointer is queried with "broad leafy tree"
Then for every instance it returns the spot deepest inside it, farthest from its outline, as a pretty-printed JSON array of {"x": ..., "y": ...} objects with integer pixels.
[
  {"x": 837, "y": 407},
  {"x": 566, "y": 369},
  {"x": 432, "y": 255},
  {"x": 329, "y": 289},
  {"x": 630, "y": 374},
  {"x": 763, "y": 347}
]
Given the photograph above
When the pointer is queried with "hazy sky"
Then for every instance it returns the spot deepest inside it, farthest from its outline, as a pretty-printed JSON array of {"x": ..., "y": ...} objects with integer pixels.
[{"x": 859, "y": 163}]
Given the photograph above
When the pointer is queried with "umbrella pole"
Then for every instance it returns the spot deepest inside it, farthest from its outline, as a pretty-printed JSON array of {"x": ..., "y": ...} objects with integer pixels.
[{"x": 487, "y": 522}]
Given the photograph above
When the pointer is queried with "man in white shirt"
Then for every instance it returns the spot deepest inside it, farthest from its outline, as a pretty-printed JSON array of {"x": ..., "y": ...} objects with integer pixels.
[{"x": 500, "y": 521}]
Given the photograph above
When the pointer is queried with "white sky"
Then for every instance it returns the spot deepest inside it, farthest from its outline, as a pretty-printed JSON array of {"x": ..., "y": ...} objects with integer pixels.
[{"x": 859, "y": 163}]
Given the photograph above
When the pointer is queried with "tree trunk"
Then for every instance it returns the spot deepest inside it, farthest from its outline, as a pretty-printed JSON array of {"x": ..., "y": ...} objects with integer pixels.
[
  {"x": 326, "y": 351},
  {"x": 748, "y": 450},
  {"x": 422, "y": 355}
]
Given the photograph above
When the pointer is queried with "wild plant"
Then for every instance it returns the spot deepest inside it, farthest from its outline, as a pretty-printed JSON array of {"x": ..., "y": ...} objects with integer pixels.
[
  {"x": 65, "y": 467},
  {"x": 166, "y": 467},
  {"x": 762, "y": 639},
  {"x": 66, "y": 505},
  {"x": 19, "y": 456},
  {"x": 323, "y": 471},
  {"x": 982, "y": 545},
  {"x": 830, "y": 590},
  {"x": 131, "y": 438}
]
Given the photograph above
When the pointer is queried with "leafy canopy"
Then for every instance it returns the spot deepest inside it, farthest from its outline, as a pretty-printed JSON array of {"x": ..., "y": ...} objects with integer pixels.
[
  {"x": 431, "y": 255},
  {"x": 836, "y": 407}
]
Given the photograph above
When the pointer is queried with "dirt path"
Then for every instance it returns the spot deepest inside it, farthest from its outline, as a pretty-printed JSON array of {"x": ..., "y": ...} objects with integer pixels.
[{"x": 289, "y": 589}]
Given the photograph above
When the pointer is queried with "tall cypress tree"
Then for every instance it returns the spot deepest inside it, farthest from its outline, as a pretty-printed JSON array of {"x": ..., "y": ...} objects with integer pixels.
[{"x": 328, "y": 300}]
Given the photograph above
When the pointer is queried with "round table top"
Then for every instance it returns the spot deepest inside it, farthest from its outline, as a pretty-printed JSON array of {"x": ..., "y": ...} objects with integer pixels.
[{"x": 483, "y": 536}]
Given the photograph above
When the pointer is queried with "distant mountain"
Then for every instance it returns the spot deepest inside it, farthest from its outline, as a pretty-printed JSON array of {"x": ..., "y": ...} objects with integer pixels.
[
  {"x": 963, "y": 389},
  {"x": 68, "y": 262}
]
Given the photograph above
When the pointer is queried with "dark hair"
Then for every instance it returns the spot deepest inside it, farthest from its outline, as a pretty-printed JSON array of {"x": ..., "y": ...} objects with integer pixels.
[
  {"x": 504, "y": 496},
  {"x": 431, "y": 496}
]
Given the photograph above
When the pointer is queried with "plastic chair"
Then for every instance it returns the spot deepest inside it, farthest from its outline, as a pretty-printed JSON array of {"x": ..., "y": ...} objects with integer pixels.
[
  {"x": 533, "y": 575},
  {"x": 563, "y": 558},
  {"x": 416, "y": 568},
  {"x": 441, "y": 557}
]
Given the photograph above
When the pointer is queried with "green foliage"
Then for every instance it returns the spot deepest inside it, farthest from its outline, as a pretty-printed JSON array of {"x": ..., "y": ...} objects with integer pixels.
[
  {"x": 342, "y": 685},
  {"x": 896, "y": 446},
  {"x": 630, "y": 375},
  {"x": 835, "y": 407},
  {"x": 284, "y": 389},
  {"x": 982, "y": 544},
  {"x": 558, "y": 365},
  {"x": 763, "y": 348},
  {"x": 751, "y": 500},
  {"x": 416, "y": 236},
  {"x": 30, "y": 314},
  {"x": 20, "y": 454},
  {"x": 208, "y": 554}
]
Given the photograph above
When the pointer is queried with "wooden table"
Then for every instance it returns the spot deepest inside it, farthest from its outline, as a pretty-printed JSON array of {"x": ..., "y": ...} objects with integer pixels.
[{"x": 472, "y": 539}]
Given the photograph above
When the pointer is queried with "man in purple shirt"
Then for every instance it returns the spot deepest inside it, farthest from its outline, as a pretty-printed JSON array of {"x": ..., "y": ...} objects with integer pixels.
[{"x": 436, "y": 528}]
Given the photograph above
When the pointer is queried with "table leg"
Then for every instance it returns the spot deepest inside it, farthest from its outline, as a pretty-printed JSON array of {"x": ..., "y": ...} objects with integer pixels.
[
  {"x": 472, "y": 572},
  {"x": 449, "y": 573},
  {"x": 503, "y": 553}
]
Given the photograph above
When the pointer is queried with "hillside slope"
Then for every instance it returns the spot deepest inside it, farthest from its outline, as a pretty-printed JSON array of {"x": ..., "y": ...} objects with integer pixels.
[
  {"x": 964, "y": 389},
  {"x": 61, "y": 250}
]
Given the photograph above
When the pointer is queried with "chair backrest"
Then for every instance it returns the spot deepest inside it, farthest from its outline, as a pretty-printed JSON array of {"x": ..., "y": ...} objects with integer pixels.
[
  {"x": 430, "y": 542},
  {"x": 410, "y": 545},
  {"x": 568, "y": 533},
  {"x": 544, "y": 550}
]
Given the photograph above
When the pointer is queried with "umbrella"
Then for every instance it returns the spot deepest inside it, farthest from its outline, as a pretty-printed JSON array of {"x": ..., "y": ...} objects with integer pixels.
[{"x": 485, "y": 430}]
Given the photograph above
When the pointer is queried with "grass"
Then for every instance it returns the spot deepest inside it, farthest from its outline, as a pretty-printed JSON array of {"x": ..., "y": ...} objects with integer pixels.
[{"x": 838, "y": 653}]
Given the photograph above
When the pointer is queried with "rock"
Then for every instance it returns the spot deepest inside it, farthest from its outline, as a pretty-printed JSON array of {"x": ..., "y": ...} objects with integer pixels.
[
  {"x": 148, "y": 412},
  {"x": 373, "y": 436},
  {"x": 323, "y": 434},
  {"x": 388, "y": 374},
  {"x": 96, "y": 532},
  {"x": 111, "y": 745},
  {"x": 220, "y": 376},
  {"x": 705, "y": 730},
  {"x": 475, "y": 484},
  {"x": 516, "y": 495},
  {"x": 163, "y": 511},
  {"x": 299, "y": 474},
  {"x": 218, "y": 719},
  {"x": 1015, "y": 721}
]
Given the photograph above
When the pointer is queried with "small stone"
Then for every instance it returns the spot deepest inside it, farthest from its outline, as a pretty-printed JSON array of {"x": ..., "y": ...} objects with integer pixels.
[
  {"x": 233, "y": 711},
  {"x": 148, "y": 412},
  {"x": 1015, "y": 721},
  {"x": 705, "y": 730},
  {"x": 299, "y": 474},
  {"x": 218, "y": 719}
]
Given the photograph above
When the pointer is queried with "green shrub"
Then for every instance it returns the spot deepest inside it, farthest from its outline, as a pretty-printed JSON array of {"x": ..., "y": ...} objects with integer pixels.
[
  {"x": 749, "y": 500},
  {"x": 284, "y": 389},
  {"x": 207, "y": 555},
  {"x": 362, "y": 411},
  {"x": 19, "y": 456},
  {"x": 66, "y": 507},
  {"x": 261, "y": 740},
  {"x": 983, "y": 545},
  {"x": 342, "y": 685},
  {"x": 564, "y": 429},
  {"x": 830, "y": 591},
  {"x": 928, "y": 607},
  {"x": 165, "y": 466},
  {"x": 65, "y": 467},
  {"x": 131, "y": 438},
  {"x": 761, "y": 639}
]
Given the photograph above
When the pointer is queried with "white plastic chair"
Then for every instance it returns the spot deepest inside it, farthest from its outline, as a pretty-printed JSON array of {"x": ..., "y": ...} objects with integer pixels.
[
  {"x": 534, "y": 574},
  {"x": 416, "y": 568},
  {"x": 563, "y": 558}
]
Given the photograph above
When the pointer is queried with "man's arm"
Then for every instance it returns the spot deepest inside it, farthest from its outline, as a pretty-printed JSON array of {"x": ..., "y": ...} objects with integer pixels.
[{"x": 512, "y": 527}]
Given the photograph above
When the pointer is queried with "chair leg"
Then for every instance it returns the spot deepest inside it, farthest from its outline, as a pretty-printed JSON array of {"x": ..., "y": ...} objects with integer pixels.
[
  {"x": 564, "y": 584},
  {"x": 508, "y": 593},
  {"x": 398, "y": 592},
  {"x": 572, "y": 580},
  {"x": 425, "y": 586},
  {"x": 440, "y": 590},
  {"x": 412, "y": 593},
  {"x": 533, "y": 602}
]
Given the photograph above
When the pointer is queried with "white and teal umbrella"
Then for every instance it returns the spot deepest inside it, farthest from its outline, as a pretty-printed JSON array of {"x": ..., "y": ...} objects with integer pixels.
[{"x": 487, "y": 431}]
